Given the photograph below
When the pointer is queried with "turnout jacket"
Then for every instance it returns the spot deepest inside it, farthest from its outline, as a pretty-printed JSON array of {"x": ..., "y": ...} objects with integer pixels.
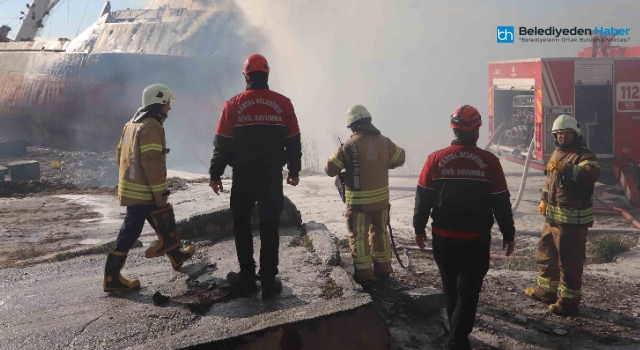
[
  {"x": 141, "y": 157},
  {"x": 258, "y": 131},
  {"x": 463, "y": 188},
  {"x": 367, "y": 160},
  {"x": 568, "y": 193}
]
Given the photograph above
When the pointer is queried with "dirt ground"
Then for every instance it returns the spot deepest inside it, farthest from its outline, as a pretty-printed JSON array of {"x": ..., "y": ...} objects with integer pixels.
[
  {"x": 506, "y": 319},
  {"x": 35, "y": 217},
  {"x": 609, "y": 317}
]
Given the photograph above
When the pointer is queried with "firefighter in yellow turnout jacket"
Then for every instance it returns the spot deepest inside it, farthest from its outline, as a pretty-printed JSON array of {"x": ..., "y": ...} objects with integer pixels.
[
  {"x": 566, "y": 203},
  {"x": 143, "y": 190},
  {"x": 367, "y": 157}
]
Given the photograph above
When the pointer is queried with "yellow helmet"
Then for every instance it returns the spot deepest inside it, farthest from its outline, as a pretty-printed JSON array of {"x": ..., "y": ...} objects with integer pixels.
[
  {"x": 356, "y": 113},
  {"x": 157, "y": 93}
]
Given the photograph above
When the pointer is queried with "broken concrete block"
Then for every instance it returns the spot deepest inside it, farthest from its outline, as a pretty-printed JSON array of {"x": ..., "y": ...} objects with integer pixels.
[
  {"x": 25, "y": 170},
  {"x": 219, "y": 223},
  {"x": 325, "y": 248},
  {"x": 426, "y": 297},
  {"x": 3, "y": 171}
]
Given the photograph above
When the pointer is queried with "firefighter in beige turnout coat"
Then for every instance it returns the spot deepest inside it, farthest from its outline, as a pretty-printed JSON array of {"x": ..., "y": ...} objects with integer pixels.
[
  {"x": 367, "y": 157},
  {"x": 143, "y": 190},
  {"x": 566, "y": 203}
]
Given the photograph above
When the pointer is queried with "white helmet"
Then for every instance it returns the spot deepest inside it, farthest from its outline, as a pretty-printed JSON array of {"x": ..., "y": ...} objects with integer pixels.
[
  {"x": 356, "y": 113},
  {"x": 157, "y": 93},
  {"x": 566, "y": 122}
]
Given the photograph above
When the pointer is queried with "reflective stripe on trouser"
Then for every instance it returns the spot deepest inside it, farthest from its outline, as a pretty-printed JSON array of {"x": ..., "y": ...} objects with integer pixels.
[
  {"x": 369, "y": 242},
  {"x": 561, "y": 253},
  {"x": 548, "y": 285}
]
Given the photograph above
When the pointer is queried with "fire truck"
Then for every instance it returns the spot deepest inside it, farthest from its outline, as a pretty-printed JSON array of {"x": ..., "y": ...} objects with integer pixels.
[{"x": 600, "y": 88}]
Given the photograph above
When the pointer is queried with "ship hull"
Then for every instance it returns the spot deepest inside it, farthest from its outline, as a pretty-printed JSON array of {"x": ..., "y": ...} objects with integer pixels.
[{"x": 81, "y": 101}]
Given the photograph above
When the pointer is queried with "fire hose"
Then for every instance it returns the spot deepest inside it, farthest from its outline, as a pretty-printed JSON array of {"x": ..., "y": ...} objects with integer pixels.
[{"x": 525, "y": 171}]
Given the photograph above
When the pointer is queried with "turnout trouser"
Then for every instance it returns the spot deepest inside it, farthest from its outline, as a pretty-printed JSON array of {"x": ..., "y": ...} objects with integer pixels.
[
  {"x": 132, "y": 226},
  {"x": 463, "y": 263},
  {"x": 561, "y": 254},
  {"x": 370, "y": 243},
  {"x": 265, "y": 188}
]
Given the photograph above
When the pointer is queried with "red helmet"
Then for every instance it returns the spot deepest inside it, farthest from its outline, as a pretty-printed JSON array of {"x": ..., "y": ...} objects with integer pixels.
[
  {"x": 465, "y": 118},
  {"x": 255, "y": 63}
]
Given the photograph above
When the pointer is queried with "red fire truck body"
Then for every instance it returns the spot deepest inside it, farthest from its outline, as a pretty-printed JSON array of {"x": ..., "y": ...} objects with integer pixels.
[{"x": 602, "y": 93}]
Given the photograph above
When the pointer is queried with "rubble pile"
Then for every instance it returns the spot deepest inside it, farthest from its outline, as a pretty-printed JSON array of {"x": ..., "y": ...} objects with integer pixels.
[
  {"x": 65, "y": 172},
  {"x": 30, "y": 188},
  {"x": 86, "y": 169}
]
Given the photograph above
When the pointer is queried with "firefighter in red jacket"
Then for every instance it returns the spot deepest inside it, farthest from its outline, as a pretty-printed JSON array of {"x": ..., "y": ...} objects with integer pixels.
[
  {"x": 257, "y": 135},
  {"x": 463, "y": 188},
  {"x": 566, "y": 203}
]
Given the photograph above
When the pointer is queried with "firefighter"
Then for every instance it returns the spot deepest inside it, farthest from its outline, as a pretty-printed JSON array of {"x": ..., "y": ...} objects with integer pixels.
[
  {"x": 367, "y": 157},
  {"x": 566, "y": 203},
  {"x": 257, "y": 134},
  {"x": 463, "y": 188},
  {"x": 142, "y": 189}
]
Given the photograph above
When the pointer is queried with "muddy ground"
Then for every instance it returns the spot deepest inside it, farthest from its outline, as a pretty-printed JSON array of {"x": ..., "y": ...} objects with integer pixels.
[
  {"x": 38, "y": 218},
  {"x": 506, "y": 319}
]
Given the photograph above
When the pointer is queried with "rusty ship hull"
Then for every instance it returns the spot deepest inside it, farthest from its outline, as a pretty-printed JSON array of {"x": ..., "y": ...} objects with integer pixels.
[{"x": 78, "y": 94}]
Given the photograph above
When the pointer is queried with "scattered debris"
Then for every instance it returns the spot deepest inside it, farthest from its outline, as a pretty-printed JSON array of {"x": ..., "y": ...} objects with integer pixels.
[
  {"x": 159, "y": 299},
  {"x": 24, "y": 188},
  {"x": 308, "y": 243},
  {"x": 99, "y": 249},
  {"x": 296, "y": 242},
  {"x": 521, "y": 319},
  {"x": 331, "y": 289},
  {"x": 560, "y": 331}
]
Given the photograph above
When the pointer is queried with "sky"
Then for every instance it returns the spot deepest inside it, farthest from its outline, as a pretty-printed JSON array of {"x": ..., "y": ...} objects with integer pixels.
[{"x": 411, "y": 63}]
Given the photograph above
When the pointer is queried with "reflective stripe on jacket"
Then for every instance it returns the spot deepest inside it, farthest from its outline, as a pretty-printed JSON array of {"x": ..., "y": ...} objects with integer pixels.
[
  {"x": 568, "y": 193},
  {"x": 142, "y": 158},
  {"x": 366, "y": 159}
]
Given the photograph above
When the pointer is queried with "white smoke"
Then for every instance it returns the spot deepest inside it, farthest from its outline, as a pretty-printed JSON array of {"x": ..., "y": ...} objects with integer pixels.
[{"x": 411, "y": 63}]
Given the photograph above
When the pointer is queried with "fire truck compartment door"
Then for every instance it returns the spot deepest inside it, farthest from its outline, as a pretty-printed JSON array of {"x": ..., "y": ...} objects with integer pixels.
[
  {"x": 523, "y": 84},
  {"x": 592, "y": 72}
]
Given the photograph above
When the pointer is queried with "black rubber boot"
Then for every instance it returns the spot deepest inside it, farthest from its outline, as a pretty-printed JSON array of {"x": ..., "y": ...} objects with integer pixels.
[
  {"x": 163, "y": 222},
  {"x": 178, "y": 256},
  {"x": 271, "y": 287},
  {"x": 240, "y": 285},
  {"x": 113, "y": 280}
]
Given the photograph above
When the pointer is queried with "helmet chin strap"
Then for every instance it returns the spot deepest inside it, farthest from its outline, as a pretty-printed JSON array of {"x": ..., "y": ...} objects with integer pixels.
[{"x": 576, "y": 139}]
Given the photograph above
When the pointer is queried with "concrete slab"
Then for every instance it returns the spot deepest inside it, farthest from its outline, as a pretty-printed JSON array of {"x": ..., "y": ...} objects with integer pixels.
[
  {"x": 429, "y": 298},
  {"x": 324, "y": 243},
  {"x": 62, "y": 305}
]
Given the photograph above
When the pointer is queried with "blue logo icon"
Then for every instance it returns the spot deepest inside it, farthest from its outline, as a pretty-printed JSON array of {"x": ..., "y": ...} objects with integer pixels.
[{"x": 505, "y": 34}]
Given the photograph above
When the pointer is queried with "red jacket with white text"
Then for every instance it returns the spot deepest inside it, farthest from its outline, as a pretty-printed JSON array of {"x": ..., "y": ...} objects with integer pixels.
[
  {"x": 258, "y": 131},
  {"x": 463, "y": 188}
]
